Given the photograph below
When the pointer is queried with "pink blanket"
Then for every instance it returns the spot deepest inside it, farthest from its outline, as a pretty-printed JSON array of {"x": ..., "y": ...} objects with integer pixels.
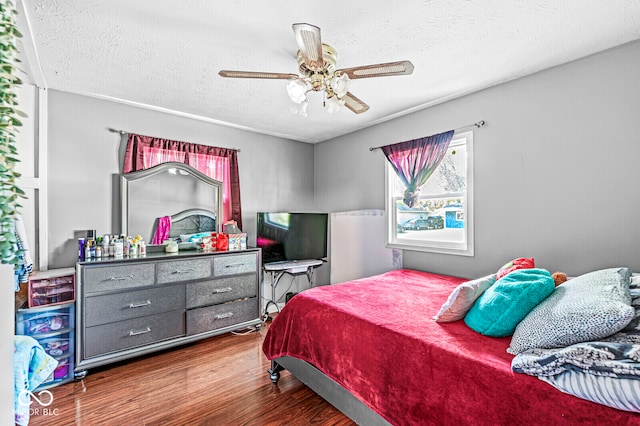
[
  {"x": 376, "y": 338},
  {"x": 162, "y": 230}
]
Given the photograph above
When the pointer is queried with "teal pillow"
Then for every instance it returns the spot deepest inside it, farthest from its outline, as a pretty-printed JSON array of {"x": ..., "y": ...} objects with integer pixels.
[{"x": 503, "y": 305}]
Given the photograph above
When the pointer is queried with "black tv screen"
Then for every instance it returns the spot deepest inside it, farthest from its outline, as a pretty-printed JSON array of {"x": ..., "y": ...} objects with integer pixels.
[{"x": 292, "y": 236}]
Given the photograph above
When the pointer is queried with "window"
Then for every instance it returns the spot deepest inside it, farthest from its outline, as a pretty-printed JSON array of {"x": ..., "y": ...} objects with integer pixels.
[{"x": 442, "y": 219}]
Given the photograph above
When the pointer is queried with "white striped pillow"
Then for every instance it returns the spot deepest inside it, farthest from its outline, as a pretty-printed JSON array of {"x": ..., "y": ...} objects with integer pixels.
[{"x": 620, "y": 393}]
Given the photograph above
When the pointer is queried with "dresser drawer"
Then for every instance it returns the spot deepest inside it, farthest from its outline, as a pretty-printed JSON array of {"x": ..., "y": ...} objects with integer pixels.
[
  {"x": 221, "y": 290},
  {"x": 183, "y": 270},
  {"x": 106, "y": 278},
  {"x": 109, "y": 308},
  {"x": 108, "y": 338},
  {"x": 214, "y": 317},
  {"x": 235, "y": 264}
]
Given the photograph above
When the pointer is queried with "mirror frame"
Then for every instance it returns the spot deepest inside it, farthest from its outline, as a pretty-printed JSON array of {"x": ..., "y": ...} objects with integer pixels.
[{"x": 125, "y": 178}]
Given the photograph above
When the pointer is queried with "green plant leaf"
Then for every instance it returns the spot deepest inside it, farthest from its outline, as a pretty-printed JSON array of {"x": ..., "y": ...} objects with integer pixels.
[{"x": 10, "y": 192}]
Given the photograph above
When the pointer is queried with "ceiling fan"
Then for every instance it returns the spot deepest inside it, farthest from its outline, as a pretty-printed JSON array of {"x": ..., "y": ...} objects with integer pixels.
[{"x": 317, "y": 64}]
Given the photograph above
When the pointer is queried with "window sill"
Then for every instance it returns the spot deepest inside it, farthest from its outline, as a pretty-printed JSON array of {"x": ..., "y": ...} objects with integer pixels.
[{"x": 457, "y": 250}]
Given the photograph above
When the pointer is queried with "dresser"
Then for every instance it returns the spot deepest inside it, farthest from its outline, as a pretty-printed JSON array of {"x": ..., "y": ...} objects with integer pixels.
[{"x": 134, "y": 306}]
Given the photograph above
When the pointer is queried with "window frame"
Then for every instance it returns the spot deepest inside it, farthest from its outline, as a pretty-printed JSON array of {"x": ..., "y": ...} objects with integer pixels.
[{"x": 433, "y": 246}]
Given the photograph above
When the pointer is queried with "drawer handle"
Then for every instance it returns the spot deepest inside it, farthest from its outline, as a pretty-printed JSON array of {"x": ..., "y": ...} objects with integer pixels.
[
  {"x": 222, "y": 290},
  {"x": 139, "y": 305},
  {"x": 136, "y": 333},
  {"x": 183, "y": 271},
  {"x": 233, "y": 265},
  {"x": 225, "y": 315},
  {"x": 127, "y": 277}
]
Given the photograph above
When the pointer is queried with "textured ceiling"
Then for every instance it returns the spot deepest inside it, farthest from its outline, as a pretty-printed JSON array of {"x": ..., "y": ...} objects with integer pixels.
[{"x": 166, "y": 54}]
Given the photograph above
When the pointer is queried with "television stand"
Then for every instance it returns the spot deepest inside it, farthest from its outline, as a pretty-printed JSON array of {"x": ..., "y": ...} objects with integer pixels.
[{"x": 290, "y": 267}]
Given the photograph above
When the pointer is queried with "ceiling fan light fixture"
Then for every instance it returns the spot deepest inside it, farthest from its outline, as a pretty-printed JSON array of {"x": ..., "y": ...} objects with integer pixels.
[
  {"x": 297, "y": 91},
  {"x": 333, "y": 104},
  {"x": 340, "y": 84}
]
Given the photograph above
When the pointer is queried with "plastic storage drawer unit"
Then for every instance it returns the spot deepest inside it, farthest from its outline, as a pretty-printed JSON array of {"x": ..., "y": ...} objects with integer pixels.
[
  {"x": 52, "y": 287},
  {"x": 53, "y": 328}
]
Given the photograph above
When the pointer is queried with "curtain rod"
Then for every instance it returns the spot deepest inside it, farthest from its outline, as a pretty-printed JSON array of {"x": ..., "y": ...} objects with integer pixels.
[
  {"x": 477, "y": 125},
  {"x": 124, "y": 132}
]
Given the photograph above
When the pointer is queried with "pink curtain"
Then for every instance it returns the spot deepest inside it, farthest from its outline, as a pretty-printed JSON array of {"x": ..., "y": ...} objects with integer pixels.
[
  {"x": 221, "y": 164},
  {"x": 218, "y": 169},
  {"x": 414, "y": 161}
]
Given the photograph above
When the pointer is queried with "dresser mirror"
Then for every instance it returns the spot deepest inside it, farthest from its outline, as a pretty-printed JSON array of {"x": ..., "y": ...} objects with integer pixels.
[{"x": 169, "y": 190}]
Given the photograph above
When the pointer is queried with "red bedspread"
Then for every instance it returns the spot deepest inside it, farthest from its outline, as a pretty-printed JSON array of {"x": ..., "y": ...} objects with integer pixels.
[{"x": 376, "y": 337}]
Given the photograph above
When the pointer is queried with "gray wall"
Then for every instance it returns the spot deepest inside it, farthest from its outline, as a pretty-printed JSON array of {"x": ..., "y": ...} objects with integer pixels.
[
  {"x": 556, "y": 167},
  {"x": 84, "y": 163}
]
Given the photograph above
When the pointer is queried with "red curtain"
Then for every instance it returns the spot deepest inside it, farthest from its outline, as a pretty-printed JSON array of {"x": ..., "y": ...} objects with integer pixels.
[{"x": 221, "y": 164}]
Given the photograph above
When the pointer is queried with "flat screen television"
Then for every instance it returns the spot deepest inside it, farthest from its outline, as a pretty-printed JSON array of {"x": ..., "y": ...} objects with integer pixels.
[{"x": 288, "y": 236}]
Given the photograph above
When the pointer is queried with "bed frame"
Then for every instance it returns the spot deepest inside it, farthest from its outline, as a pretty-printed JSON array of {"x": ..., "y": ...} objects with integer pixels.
[
  {"x": 327, "y": 388},
  {"x": 192, "y": 221}
]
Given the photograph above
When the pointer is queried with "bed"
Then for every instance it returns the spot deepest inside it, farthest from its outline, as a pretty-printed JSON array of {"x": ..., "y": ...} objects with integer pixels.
[
  {"x": 186, "y": 228},
  {"x": 371, "y": 348}
]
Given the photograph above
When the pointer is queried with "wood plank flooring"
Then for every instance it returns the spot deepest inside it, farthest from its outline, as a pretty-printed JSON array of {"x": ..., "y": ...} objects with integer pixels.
[{"x": 218, "y": 381}]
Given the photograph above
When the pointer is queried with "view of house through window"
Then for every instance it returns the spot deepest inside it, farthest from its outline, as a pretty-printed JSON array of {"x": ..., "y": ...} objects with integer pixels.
[{"x": 441, "y": 220}]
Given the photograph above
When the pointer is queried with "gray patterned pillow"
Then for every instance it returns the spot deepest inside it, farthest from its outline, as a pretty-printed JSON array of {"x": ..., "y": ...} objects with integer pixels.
[{"x": 586, "y": 308}]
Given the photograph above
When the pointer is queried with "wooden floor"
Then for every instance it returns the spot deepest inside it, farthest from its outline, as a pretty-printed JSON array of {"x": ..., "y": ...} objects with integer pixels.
[{"x": 218, "y": 381}]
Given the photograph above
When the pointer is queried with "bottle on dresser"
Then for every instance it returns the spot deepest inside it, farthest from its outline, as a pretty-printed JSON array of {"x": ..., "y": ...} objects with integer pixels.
[
  {"x": 106, "y": 248},
  {"x": 111, "y": 246},
  {"x": 133, "y": 249},
  {"x": 80, "y": 248},
  {"x": 118, "y": 246},
  {"x": 98, "y": 248},
  {"x": 87, "y": 249}
]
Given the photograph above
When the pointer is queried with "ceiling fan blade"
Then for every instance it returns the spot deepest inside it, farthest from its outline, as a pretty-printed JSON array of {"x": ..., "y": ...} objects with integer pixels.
[
  {"x": 254, "y": 74},
  {"x": 354, "y": 103},
  {"x": 310, "y": 45},
  {"x": 379, "y": 70}
]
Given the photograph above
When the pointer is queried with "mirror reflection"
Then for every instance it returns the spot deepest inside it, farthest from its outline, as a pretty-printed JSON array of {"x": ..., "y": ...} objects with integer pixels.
[{"x": 169, "y": 200}]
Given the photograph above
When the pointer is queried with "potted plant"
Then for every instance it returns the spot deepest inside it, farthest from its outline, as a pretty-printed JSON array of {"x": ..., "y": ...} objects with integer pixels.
[{"x": 10, "y": 193}]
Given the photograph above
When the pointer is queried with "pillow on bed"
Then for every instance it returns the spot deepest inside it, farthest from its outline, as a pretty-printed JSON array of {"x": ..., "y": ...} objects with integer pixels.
[
  {"x": 499, "y": 310},
  {"x": 616, "y": 392},
  {"x": 586, "y": 308},
  {"x": 462, "y": 299},
  {"x": 515, "y": 264}
]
